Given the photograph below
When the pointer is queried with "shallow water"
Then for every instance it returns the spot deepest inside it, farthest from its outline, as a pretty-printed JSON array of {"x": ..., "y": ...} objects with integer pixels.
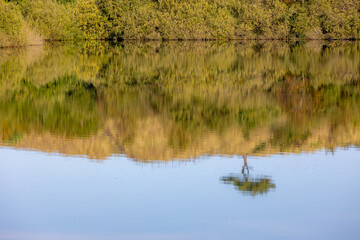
[{"x": 186, "y": 140}]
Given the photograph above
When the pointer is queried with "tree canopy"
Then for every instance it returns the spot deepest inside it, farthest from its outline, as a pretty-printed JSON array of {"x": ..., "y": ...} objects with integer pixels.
[{"x": 175, "y": 19}]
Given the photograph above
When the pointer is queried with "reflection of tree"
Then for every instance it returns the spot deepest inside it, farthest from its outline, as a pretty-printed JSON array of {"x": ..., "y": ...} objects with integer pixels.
[
  {"x": 65, "y": 106},
  {"x": 181, "y": 101},
  {"x": 247, "y": 184}
]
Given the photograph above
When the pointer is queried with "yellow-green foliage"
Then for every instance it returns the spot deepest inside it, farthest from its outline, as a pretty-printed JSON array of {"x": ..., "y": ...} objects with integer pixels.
[
  {"x": 196, "y": 20},
  {"x": 114, "y": 11},
  {"x": 337, "y": 18},
  {"x": 51, "y": 19},
  {"x": 89, "y": 19},
  {"x": 12, "y": 26},
  {"x": 186, "y": 19},
  {"x": 234, "y": 19}
]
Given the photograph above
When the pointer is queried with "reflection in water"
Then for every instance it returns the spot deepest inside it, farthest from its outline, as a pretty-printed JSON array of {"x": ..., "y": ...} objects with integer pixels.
[
  {"x": 248, "y": 184},
  {"x": 164, "y": 101}
]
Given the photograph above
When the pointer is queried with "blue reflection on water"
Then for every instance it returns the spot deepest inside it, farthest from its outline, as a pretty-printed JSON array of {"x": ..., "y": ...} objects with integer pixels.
[{"x": 55, "y": 197}]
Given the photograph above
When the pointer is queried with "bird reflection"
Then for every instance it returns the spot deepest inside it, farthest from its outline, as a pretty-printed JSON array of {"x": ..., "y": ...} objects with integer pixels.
[{"x": 248, "y": 184}]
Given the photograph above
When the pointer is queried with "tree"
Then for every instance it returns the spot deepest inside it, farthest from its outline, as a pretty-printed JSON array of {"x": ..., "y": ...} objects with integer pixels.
[{"x": 89, "y": 19}]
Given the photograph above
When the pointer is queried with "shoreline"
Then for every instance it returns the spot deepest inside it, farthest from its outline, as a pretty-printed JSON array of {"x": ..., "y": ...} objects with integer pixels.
[{"x": 186, "y": 40}]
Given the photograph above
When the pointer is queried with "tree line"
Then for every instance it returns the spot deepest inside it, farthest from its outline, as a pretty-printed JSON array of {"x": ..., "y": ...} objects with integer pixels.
[{"x": 25, "y": 22}]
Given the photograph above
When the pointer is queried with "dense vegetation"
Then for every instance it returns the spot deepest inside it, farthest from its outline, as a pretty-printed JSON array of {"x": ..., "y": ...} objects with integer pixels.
[
  {"x": 166, "y": 100},
  {"x": 27, "y": 21}
]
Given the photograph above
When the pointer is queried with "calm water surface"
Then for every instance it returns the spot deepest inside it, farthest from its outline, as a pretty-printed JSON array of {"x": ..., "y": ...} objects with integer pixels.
[{"x": 255, "y": 140}]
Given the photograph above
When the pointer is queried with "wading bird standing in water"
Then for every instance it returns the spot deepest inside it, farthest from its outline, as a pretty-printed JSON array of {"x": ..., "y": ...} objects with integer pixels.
[{"x": 247, "y": 184}]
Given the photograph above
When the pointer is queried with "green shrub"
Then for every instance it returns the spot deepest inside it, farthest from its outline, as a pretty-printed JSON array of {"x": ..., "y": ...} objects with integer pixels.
[
  {"x": 89, "y": 19},
  {"x": 338, "y": 19},
  {"x": 114, "y": 12},
  {"x": 51, "y": 19},
  {"x": 132, "y": 19},
  {"x": 141, "y": 22},
  {"x": 12, "y": 26}
]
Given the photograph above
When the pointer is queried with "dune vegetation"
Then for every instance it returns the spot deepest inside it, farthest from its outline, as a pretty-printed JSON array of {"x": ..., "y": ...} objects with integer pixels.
[{"x": 25, "y": 22}]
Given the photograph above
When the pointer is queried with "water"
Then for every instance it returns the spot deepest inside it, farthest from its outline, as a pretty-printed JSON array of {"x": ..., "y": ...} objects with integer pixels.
[{"x": 180, "y": 141}]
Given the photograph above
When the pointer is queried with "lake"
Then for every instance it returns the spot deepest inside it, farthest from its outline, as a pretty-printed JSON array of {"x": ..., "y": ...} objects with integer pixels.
[{"x": 180, "y": 140}]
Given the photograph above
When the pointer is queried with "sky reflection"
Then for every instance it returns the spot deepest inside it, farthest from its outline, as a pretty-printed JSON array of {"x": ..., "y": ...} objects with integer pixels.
[{"x": 53, "y": 197}]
